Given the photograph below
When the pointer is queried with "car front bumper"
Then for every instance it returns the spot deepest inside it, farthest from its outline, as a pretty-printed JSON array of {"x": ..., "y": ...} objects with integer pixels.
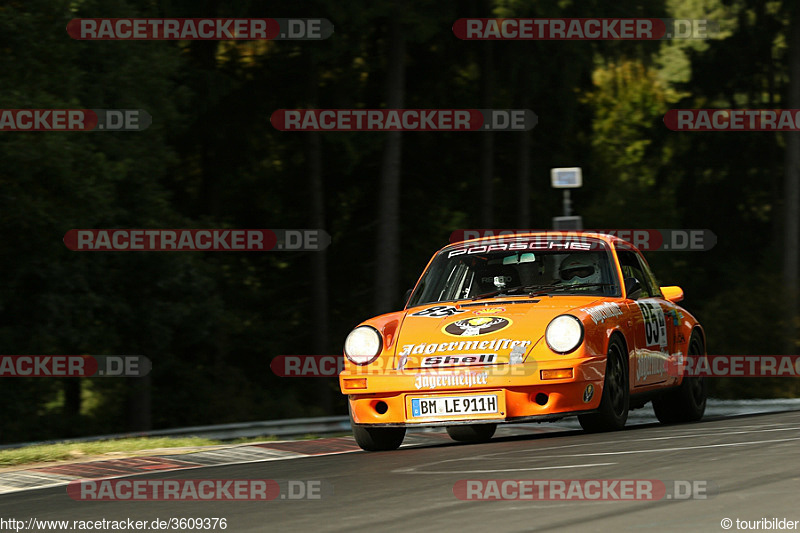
[{"x": 385, "y": 398}]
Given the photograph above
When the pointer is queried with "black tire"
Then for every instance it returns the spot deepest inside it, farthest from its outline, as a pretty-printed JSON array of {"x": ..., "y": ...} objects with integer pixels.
[
  {"x": 686, "y": 403},
  {"x": 378, "y": 439},
  {"x": 472, "y": 432},
  {"x": 613, "y": 411}
]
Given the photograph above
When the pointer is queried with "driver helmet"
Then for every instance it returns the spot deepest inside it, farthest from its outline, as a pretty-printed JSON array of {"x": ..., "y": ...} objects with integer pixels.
[{"x": 580, "y": 268}]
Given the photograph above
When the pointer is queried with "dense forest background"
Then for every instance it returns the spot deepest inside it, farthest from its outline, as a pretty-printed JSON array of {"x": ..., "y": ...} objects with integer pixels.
[{"x": 211, "y": 322}]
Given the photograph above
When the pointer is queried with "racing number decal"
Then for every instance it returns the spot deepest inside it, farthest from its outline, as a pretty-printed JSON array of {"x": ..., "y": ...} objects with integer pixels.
[
  {"x": 439, "y": 311},
  {"x": 655, "y": 325}
]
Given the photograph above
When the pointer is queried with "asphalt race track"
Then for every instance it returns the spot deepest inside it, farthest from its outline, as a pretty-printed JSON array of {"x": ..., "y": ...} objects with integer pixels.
[{"x": 750, "y": 465}]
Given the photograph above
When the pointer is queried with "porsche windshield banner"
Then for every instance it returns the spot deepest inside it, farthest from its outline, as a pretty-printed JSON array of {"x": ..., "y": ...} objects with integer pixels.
[{"x": 646, "y": 240}]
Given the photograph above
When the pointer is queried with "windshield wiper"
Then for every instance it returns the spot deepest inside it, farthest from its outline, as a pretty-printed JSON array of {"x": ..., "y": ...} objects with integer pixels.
[
  {"x": 493, "y": 293},
  {"x": 516, "y": 288},
  {"x": 575, "y": 286},
  {"x": 539, "y": 289}
]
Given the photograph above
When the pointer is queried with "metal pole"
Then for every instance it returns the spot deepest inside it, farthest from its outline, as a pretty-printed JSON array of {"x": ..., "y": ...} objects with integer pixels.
[
  {"x": 567, "y": 203},
  {"x": 792, "y": 192}
]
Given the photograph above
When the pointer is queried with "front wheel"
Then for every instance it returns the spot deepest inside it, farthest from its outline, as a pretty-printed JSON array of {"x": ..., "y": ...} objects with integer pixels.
[
  {"x": 472, "y": 432},
  {"x": 377, "y": 439},
  {"x": 687, "y": 403},
  {"x": 613, "y": 411}
]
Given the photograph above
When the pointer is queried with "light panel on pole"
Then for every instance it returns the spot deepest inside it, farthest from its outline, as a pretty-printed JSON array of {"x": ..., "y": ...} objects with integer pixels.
[{"x": 566, "y": 178}]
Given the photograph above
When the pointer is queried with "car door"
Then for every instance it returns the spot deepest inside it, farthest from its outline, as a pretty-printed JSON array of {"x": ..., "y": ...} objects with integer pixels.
[{"x": 651, "y": 322}]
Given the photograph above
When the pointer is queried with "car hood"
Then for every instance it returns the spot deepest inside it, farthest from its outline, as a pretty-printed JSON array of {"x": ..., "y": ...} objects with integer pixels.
[{"x": 477, "y": 333}]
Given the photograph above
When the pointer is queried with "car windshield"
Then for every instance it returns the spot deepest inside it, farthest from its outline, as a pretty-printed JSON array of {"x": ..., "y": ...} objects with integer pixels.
[{"x": 519, "y": 268}]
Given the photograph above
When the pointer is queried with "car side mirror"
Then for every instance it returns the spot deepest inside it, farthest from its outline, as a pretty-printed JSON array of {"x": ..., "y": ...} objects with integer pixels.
[
  {"x": 407, "y": 296},
  {"x": 633, "y": 289},
  {"x": 672, "y": 293}
]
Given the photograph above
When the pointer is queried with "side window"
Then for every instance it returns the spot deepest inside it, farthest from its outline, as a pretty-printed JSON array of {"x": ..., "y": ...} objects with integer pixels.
[
  {"x": 632, "y": 267},
  {"x": 649, "y": 278}
]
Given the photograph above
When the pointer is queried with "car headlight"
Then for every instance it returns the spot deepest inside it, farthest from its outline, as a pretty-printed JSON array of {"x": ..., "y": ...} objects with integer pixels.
[
  {"x": 564, "y": 333},
  {"x": 363, "y": 345}
]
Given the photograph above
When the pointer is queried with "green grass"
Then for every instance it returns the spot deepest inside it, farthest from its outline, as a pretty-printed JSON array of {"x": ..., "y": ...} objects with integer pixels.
[{"x": 80, "y": 450}]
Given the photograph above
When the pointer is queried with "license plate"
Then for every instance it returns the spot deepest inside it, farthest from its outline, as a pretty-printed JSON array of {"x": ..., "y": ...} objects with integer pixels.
[{"x": 454, "y": 405}]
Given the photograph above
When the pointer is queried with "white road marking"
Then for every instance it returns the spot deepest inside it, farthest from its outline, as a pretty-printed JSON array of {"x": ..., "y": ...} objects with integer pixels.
[
  {"x": 644, "y": 439},
  {"x": 677, "y": 449},
  {"x": 415, "y": 470},
  {"x": 716, "y": 433},
  {"x": 556, "y": 467}
]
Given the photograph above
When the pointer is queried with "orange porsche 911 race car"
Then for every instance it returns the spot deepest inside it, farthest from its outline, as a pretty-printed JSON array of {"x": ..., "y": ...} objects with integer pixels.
[{"x": 532, "y": 327}]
